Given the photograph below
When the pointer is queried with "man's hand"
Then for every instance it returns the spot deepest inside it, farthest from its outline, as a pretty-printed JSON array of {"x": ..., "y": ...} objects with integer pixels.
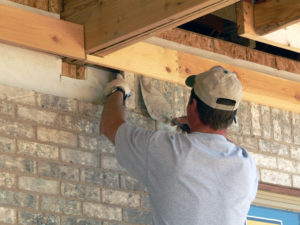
[
  {"x": 119, "y": 82},
  {"x": 113, "y": 113},
  {"x": 181, "y": 123}
]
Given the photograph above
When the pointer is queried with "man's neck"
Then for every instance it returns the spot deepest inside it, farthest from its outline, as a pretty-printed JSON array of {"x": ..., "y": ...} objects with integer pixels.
[{"x": 209, "y": 130}]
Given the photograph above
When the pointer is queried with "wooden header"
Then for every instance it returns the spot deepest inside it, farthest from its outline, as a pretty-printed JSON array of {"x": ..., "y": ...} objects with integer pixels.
[
  {"x": 39, "y": 32},
  {"x": 174, "y": 66}
]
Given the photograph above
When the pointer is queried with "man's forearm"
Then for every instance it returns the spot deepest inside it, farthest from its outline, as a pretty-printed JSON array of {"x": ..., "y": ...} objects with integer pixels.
[{"x": 113, "y": 116}]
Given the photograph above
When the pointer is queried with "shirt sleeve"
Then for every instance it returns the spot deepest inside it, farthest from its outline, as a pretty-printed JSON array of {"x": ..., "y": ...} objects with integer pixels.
[{"x": 131, "y": 150}]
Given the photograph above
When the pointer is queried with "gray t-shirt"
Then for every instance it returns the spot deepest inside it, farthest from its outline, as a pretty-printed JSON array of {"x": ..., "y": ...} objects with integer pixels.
[{"x": 192, "y": 179}]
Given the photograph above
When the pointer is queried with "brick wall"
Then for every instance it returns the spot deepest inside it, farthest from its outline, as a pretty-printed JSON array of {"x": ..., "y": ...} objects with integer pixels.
[{"x": 56, "y": 169}]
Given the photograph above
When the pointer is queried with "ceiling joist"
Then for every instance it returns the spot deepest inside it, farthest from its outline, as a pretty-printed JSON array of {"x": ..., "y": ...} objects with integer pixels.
[
  {"x": 286, "y": 38},
  {"x": 112, "y": 24},
  {"x": 39, "y": 32},
  {"x": 272, "y": 15}
]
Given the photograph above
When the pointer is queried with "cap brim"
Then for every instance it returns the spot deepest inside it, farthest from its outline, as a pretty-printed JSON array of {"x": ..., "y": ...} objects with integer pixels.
[{"x": 190, "y": 80}]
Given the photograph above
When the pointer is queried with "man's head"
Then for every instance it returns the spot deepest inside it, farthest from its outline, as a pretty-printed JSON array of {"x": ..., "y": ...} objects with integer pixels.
[{"x": 218, "y": 93}]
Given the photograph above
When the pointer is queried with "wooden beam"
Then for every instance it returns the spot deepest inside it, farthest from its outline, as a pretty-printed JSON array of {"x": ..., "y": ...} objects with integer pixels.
[
  {"x": 272, "y": 15},
  {"x": 112, "y": 24},
  {"x": 39, "y": 32},
  {"x": 174, "y": 66},
  {"x": 287, "y": 38}
]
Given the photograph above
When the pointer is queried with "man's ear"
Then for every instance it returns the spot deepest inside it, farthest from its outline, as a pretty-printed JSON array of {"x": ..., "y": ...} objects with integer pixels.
[{"x": 194, "y": 103}]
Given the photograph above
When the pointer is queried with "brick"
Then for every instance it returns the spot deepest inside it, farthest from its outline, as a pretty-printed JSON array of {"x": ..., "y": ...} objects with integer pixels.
[
  {"x": 105, "y": 145},
  {"x": 78, "y": 123},
  {"x": 265, "y": 161},
  {"x": 266, "y": 121},
  {"x": 17, "y": 95},
  {"x": 286, "y": 127},
  {"x": 37, "y": 150},
  {"x": 276, "y": 117},
  {"x": 286, "y": 165},
  {"x": 102, "y": 211},
  {"x": 179, "y": 101},
  {"x": 7, "y": 180},
  {"x": 137, "y": 216},
  {"x": 37, "y": 116},
  {"x": 296, "y": 181},
  {"x": 244, "y": 118},
  {"x": 88, "y": 143},
  {"x": 100, "y": 177},
  {"x": 80, "y": 191},
  {"x": 275, "y": 177},
  {"x": 57, "y": 136},
  {"x": 7, "y": 145},
  {"x": 8, "y": 215},
  {"x": 80, "y": 157},
  {"x": 89, "y": 109},
  {"x": 17, "y": 164},
  {"x": 296, "y": 127},
  {"x": 58, "y": 171},
  {"x": 79, "y": 221},
  {"x": 273, "y": 148},
  {"x": 19, "y": 199},
  {"x": 122, "y": 198},
  {"x": 250, "y": 143},
  {"x": 295, "y": 153},
  {"x": 60, "y": 205},
  {"x": 29, "y": 218},
  {"x": 130, "y": 183},
  {"x": 255, "y": 115},
  {"x": 113, "y": 223},
  {"x": 132, "y": 81},
  {"x": 229, "y": 49},
  {"x": 38, "y": 185},
  {"x": 6, "y": 109},
  {"x": 56, "y": 103},
  {"x": 167, "y": 91},
  {"x": 261, "y": 58},
  {"x": 140, "y": 120},
  {"x": 16, "y": 129},
  {"x": 145, "y": 201},
  {"x": 235, "y": 138},
  {"x": 111, "y": 163}
]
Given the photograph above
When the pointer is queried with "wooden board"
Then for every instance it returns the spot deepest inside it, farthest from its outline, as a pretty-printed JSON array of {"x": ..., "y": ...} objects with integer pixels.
[
  {"x": 287, "y": 38},
  {"x": 272, "y": 15},
  {"x": 171, "y": 65},
  {"x": 113, "y": 24},
  {"x": 31, "y": 30}
]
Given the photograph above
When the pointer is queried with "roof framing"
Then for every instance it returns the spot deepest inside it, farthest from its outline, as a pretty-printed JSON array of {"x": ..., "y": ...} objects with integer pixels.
[
  {"x": 112, "y": 24},
  {"x": 286, "y": 37}
]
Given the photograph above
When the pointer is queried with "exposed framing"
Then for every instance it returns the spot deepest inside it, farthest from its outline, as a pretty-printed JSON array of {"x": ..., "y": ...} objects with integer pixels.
[{"x": 286, "y": 38}]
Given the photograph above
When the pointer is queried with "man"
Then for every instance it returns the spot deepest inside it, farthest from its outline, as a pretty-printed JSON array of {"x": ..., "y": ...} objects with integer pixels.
[{"x": 196, "y": 178}]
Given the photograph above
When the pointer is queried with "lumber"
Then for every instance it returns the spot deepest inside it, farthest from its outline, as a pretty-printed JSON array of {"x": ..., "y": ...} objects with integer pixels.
[
  {"x": 272, "y": 15},
  {"x": 174, "y": 66},
  {"x": 287, "y": 38},
  {"x": 112, "y": 24},
  {"x": 39, "y": 32}
]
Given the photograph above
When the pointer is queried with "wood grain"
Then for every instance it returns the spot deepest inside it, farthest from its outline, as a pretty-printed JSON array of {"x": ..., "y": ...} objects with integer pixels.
[
  {"x": 272, "y": 15},
  {"x": 31, "y": 30}
]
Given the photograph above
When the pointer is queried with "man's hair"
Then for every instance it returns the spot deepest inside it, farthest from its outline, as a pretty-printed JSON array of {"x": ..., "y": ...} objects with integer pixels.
[{"x": 215, "y": 118}]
